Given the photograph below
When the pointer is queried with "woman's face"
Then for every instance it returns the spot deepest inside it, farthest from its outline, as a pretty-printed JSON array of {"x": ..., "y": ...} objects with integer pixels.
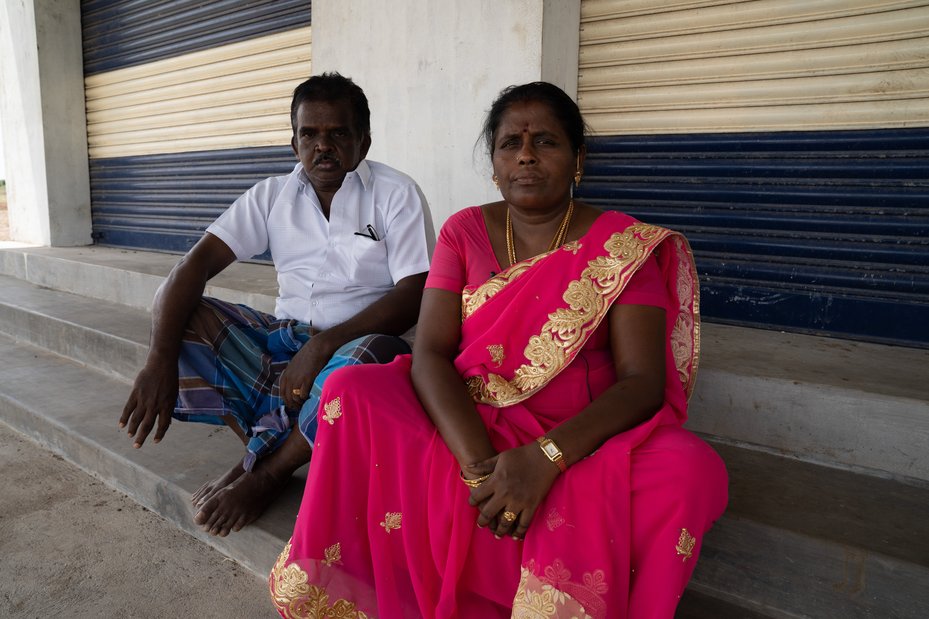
[{"x": 532, "y": 159}]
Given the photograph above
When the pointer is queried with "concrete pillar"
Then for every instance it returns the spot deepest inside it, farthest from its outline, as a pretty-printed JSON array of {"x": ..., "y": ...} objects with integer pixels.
[
  {"x": 44, "y": 124},
  {"x": 430, "y": 71}
]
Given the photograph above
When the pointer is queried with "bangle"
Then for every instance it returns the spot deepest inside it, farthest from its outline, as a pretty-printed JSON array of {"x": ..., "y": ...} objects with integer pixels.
[
  {"x": 552, "y": 452},
  {"x": 473, "y": 483}
]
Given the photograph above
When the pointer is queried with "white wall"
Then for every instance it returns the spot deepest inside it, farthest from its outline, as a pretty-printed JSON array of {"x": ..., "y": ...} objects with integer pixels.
[
  {"x": 42, "y": 110},
  {"x": 2, "y": 158},
  {"x": 430, "y": 71}
]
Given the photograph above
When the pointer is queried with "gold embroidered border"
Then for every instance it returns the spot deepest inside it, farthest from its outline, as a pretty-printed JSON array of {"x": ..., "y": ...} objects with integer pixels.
[
  {"x": 685, "y": 335},
  {"x": 294, "y": 596},
  {"x": 537, "y": 599},
  {"x": 472, "y": 299},
  {"x": 588, "y": 298}
]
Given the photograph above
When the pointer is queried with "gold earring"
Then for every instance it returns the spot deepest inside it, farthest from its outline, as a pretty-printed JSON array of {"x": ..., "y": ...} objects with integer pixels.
[
  {"x": 496, "y": 181},
  {"x": 577, "y": 178}
]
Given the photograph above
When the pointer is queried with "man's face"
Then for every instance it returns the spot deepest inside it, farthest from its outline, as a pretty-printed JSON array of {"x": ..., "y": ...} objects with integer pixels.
[{"x": 328, "y": 143}]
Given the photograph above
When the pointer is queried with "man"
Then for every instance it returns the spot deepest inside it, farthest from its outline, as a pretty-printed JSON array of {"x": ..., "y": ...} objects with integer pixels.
[{"x": 350, "y": 240}]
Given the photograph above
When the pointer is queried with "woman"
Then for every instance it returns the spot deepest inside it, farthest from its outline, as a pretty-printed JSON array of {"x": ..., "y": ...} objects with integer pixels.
[{"x": 528, "y": 460}]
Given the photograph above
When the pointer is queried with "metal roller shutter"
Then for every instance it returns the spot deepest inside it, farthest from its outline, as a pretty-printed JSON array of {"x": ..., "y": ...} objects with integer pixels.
[
  {"x": 187, "y": 106},
  {"x": 788, "y": 140}
]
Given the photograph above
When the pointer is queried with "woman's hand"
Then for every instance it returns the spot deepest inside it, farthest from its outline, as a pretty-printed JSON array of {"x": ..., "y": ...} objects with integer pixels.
[{"x": 520, "y": 482}]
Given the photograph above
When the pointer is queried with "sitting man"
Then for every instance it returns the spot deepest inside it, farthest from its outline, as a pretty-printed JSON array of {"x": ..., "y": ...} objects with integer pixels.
[{"x": 350, "y": 240}]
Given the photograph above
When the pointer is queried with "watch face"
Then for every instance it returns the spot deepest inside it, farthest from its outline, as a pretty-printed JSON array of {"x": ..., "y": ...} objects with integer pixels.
[{"x": 551, "y": 449}]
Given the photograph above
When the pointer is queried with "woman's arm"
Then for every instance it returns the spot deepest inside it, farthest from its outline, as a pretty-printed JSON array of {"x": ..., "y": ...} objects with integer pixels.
[
  {"x": 523, "y": 476},
  {"x": 637, "y": 341},
  {"x": 439, "y": 386}
]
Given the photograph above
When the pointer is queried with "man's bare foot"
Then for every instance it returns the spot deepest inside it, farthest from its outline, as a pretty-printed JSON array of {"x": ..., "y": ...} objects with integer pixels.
[
  {"x": 238, "y": 498},
  {"x": 231, "y": 507},
  {"x": 207, "y": 490}
]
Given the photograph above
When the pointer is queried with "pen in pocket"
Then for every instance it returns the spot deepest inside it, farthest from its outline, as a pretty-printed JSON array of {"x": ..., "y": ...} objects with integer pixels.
[{"x": 371, "y": 233}]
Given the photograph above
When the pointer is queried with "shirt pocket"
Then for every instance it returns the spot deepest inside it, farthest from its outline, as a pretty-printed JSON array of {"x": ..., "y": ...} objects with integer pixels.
[{"x": 369, "y": 261}]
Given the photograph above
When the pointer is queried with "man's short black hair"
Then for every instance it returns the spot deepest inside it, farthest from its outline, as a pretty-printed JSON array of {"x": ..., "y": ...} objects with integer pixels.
[{"x": 333, "y": 87}]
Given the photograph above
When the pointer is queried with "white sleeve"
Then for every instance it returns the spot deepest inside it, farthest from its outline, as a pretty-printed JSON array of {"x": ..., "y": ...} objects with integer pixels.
[
  {"x": 410, "y": 236},
  {"x": 244, "y": 225}
]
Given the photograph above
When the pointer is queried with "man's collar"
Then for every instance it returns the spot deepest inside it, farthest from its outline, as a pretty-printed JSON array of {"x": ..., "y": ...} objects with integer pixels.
[
  {"x": 362, "y": 170},
  {"x": 364, "y": 173}
]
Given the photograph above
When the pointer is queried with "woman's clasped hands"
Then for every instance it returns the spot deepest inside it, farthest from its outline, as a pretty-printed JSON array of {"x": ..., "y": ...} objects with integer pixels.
[{"x": 519, "y": 481}]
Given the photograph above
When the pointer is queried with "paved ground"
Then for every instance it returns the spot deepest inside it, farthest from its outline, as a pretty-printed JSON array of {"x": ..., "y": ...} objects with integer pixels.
[{"x": 73, "y": 547}]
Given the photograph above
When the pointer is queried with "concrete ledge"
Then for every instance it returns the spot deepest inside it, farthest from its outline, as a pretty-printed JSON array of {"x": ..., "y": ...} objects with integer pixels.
[
  {"x": 783, "y": 574},
  {"x": 831, "y": 401},
  {"x": 130, "y": 277},
  {"x": 837, "y": 402},
  {"x": 876, "y": 515},
  {"x": 73, "y": 411}
]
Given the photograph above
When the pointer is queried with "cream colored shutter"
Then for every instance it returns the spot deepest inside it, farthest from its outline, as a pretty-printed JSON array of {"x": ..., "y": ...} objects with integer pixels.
[
  {"x": 232, "y": 96},
  {"x": 768, "y": 65}
]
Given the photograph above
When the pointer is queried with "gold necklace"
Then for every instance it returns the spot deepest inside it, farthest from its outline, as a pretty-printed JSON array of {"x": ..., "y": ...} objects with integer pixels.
[{"x": 559, "y": 239}]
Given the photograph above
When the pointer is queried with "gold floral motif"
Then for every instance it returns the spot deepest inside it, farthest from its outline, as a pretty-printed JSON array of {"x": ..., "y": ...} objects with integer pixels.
[
  {"x": 333, "y": 410},
  {"x": 537, "y": 599},
  {"x": 392, "y": 521},
  {"x": 685, "y": 544},
  {"x": 295, "y": 598},
  {"x": 500, "y": 388},
  {"x": 333, "y": 554},
  {"x": 553, "y": 519},
  {"x": 497, "y": 354},
  {"x": 473, "y": 298},
  {"x": 588, "y": 299}
]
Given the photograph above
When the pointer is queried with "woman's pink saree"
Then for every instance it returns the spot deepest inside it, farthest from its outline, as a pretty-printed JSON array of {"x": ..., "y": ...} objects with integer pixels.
[{"x": 385, "y": 528}]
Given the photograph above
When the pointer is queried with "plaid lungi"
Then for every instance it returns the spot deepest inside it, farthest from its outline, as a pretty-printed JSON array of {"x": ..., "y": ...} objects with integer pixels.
[{"x": 231, "y": 360}]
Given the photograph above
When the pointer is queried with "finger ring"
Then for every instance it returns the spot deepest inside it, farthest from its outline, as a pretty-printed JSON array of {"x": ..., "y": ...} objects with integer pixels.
[
  {"x": 297, "y": 392},
  {"x": 509, "y": 516}
]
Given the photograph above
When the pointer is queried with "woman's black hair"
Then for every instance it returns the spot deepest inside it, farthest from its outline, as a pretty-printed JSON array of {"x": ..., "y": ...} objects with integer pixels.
[{"x": 564, "y": 108}]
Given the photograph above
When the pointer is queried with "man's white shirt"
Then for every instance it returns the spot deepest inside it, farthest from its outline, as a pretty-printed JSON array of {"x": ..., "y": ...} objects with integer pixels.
[{"x": 378, "y": 232}]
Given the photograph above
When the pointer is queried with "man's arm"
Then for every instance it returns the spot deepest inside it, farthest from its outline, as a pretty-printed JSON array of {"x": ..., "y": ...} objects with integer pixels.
[
  {"x": 154, "y": 392},
  {"x": 392, "y": 314}
]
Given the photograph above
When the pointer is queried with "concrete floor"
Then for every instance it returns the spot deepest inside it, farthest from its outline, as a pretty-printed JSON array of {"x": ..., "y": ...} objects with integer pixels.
[{"x": 73, "y": 547}]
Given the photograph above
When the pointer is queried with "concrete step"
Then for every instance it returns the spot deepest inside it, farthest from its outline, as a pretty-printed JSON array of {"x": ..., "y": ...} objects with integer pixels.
[
  {"x": 106, "y": 336},
  {"x": 835, "y": 402},
  {"x": 72, "y": 410},
  {"x": 825, "y": 400},
  {"x": 804, "y": 540}
]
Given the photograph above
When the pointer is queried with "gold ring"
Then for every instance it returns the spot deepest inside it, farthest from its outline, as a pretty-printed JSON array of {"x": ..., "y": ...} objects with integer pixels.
[
  {"x": 508, "y": 517},
  {"x": 297, "y": 392}
]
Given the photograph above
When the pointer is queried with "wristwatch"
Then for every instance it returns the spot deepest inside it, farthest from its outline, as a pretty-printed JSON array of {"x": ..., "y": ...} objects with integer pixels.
[{"x": 552, "y": 452}]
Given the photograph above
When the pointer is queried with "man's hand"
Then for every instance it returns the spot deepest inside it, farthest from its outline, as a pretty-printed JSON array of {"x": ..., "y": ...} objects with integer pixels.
[
  {"x": 152, "y": 398},
  {"x": 297, "y": 378}
]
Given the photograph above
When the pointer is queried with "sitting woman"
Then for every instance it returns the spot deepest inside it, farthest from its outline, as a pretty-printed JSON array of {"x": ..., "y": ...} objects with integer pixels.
[{"x": 528, "y": 460}]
